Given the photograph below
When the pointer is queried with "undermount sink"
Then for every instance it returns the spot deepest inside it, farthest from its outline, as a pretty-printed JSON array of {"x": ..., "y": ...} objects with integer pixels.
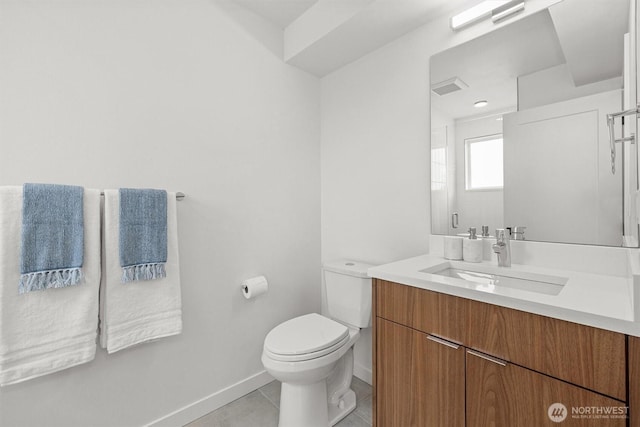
[{"x": 491, "y": 281}]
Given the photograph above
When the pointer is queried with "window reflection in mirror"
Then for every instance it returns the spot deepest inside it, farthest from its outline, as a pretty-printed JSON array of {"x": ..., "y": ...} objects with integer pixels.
[{"x": 483, "y": 163}]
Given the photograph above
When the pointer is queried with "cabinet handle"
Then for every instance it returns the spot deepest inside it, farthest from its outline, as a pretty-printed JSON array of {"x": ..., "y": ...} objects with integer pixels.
[
  {"x": 486, "y": 357},
  {"x": 443, "y": 342}
]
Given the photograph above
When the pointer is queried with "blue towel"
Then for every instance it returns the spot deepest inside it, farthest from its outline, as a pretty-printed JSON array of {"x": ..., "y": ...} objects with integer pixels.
[
  {"x": 143, "y": 234},
  {"x": 52, "y": 249}
]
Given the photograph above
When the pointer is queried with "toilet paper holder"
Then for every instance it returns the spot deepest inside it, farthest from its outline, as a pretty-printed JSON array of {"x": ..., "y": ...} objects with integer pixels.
[{"x": 255, "y": 286}]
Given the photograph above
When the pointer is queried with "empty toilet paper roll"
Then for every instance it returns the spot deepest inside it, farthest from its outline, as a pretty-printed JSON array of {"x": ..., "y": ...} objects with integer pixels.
[{"x": 255, "y": 286}]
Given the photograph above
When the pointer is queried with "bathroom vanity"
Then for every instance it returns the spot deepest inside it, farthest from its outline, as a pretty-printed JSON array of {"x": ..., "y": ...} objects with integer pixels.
[
  {"x": 551, "y": 336},
  {"x": 449, "y": 351}
]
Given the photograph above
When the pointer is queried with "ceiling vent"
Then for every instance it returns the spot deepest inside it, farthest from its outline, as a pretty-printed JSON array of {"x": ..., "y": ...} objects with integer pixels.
[{"x": 450, "y": 85}]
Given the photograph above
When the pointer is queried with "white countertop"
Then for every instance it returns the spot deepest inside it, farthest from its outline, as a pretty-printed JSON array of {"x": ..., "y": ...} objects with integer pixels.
[{"x": 602, "y": 301}]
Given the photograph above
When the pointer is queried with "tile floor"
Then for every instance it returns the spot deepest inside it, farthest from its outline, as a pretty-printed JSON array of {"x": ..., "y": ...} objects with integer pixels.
[{"x": 260, "y": 409}]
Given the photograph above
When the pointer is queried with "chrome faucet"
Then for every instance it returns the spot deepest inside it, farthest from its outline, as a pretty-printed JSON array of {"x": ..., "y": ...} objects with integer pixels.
[{"x": 502, "y": 247}]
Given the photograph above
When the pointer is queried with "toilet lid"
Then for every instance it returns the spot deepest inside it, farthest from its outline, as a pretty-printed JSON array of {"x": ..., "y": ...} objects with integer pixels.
[{"x": 306, "y": 335}]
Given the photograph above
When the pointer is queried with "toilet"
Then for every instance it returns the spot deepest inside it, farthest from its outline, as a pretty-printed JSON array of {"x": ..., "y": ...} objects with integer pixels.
[{"x": 312, "y": 355}]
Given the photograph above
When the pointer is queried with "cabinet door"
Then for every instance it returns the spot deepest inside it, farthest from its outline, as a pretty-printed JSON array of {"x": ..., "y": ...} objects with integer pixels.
[
  {"x": 419, "y": 379},
  {"x": 427, "y": 311},
  {"x": 503, "y": 394},
  {"x": 589, "y": 357}
]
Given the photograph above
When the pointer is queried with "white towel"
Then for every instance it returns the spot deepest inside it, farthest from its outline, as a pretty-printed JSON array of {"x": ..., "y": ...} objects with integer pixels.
[
  {"x": 135, "y": 312},
  {"x": 46, "y": 331}
]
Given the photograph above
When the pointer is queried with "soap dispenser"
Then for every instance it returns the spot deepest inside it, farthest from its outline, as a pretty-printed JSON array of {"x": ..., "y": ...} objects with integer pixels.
[{"x": 472, "y": 247}]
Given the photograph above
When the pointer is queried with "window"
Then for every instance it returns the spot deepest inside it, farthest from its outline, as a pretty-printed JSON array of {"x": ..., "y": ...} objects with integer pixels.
[{"x": 483, "y": 163}]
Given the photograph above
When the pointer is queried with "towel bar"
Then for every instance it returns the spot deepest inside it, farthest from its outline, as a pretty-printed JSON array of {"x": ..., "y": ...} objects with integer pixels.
[
  {"x": 612, "y": 137},
  {"x": 179, "y": 195}
]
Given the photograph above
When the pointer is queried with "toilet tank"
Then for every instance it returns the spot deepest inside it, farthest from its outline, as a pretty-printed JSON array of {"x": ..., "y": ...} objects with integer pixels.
[{"x": 348, "y": 291}]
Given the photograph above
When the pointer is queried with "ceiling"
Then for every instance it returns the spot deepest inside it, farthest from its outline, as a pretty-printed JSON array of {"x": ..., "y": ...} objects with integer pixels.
[
  {"x": 567, "y": 34},
  {"x": 328, "y": 34},
  {"x": 278, "y": 12},
  {"x": 591, "y": 37},
  {"x": 334, "y": 38}
]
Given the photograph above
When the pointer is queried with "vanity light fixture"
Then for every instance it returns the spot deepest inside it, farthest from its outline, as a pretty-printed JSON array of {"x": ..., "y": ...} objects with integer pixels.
[
  {"x": 498, "y": 9},
  {"x": 507, "y": 10},
  {"x": 480, "y": 104},
  {"x": 473, "y": 14}
]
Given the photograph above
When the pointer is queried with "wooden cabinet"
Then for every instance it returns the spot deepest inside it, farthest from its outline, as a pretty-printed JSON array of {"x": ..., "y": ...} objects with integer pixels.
[
  {"x": 397, "y": 386},
  {"x": 434, "y": 364},
  {"x": 564, "y": 350},
  {"x": 634, "y": 381},
  {"x": 427, "y": 311},
  {"x": 504, "y": 394},
  {"x": 420, "y": 379}
]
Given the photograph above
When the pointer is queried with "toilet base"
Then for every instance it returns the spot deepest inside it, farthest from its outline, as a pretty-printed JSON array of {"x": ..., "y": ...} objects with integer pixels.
[
  {"x": 345, "y": 406},
  {"x": 306, "y": 402},
  {"x": 309, "y": 403}
]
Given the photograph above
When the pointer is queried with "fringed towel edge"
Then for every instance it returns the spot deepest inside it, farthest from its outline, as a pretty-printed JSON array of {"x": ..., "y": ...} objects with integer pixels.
[
  {"x": 138, "y": 272},
  {"x": 41, "y": 280}
]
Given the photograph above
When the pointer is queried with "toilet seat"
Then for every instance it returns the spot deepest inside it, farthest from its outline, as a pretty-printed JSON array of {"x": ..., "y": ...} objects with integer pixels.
[{"x": 304, "y": 338}]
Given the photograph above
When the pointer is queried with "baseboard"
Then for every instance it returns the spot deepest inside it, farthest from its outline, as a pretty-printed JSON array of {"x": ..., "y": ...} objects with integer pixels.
[
  {"x": 197, "y": 409},
  {"x": 363, "y": 372}
]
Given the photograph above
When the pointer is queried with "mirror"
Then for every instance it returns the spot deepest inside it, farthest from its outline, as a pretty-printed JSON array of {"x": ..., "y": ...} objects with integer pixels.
[{"x": 538, "y": 155}]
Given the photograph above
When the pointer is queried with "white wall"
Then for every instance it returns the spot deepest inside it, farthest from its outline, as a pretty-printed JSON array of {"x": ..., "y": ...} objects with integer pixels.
[
  {"x": 169, "y": 94},
  {"x": 375, "y": 150},
  {"x": 374, "y": 166}
]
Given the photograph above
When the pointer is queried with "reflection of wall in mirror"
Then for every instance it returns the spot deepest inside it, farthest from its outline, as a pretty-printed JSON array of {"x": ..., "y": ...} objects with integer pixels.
[
  {"x": 442, "y": 173},
  {"x": 476, "y": 208},
  {"x": 558, "y": 180},
  {"x": 555, "y": 84}
]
